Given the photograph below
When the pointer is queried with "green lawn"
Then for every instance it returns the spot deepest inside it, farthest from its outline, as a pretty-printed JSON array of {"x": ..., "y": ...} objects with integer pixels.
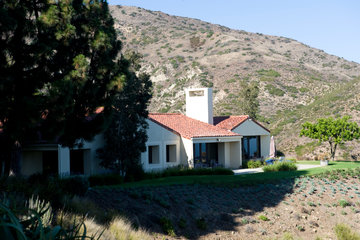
[{"x": 246, "y": 179}]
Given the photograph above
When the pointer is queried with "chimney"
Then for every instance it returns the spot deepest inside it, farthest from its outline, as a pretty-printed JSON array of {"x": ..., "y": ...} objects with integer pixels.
[{"x": 199, "y": 104}]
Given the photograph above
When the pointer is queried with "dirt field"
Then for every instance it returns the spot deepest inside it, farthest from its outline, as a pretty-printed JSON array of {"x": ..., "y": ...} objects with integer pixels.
[{"x": 305, "y": 208}]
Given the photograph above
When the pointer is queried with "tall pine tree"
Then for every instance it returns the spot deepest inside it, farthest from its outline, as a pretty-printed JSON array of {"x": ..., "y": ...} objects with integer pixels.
[
  {"x": 249, "y": 102},
  {"x": 57, "y": 66},
  {"x": 126, "y": 136}
]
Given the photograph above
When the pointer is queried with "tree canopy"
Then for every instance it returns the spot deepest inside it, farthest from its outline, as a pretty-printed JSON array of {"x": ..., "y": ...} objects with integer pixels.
[
  {"x": 249, "y": 98},
  {"x": 334, "y": 131},
  {"x": 58, "y": 64},
  {"x": 126, "y": 136}
]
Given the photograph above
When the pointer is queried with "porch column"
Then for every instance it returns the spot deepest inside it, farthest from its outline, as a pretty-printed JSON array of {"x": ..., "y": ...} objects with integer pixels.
[
  {"x": 63, "y": 160},
  {"x": 88, "y": 162}
]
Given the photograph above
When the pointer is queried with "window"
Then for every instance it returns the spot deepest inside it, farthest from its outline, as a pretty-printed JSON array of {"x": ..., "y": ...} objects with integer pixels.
[
  {"x": 153, "y": 154},
  {"x": 205, "y": 153},
  {"x": 251, "y": 147},
  {"x": 171, "y": 153}
]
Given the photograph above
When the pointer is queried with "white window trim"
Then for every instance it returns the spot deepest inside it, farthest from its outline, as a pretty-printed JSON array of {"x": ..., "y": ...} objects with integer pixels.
[
  {"x": 154, "y": 165},
  {"x": 171, "y": 164}
]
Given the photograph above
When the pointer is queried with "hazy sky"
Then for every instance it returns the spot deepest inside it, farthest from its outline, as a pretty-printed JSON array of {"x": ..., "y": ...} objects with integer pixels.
[{"x": 330, "y": 25}]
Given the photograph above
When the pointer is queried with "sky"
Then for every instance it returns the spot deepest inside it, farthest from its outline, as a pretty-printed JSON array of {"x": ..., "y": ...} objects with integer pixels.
[{"x": 330, "y": 25}]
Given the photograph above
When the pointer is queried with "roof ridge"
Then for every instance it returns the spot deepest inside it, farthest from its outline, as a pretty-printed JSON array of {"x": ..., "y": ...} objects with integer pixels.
[
  {"x": 233, "y": 116},
  {"x": 166, "y": 114}
]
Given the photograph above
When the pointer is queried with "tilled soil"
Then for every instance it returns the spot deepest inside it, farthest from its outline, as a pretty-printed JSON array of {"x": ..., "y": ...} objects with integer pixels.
[{"x": 305, "y": 208}]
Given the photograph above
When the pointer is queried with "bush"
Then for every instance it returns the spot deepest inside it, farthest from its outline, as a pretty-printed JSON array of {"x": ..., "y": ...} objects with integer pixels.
[
  {"x": 201, "y": 224},
  {"x": 105, "y": 179},
  {"x": 343, "y": 203},
  {"x": 264, "y": 218},
  {"x": 254, "y": 164},
  {"x": 75, "y": 185},
  {"x": 167, "y": 226},
  {"x": 343, "y": 232},
  {"x": 280, "y": 166},
  {"x": 274, "y": 90}
]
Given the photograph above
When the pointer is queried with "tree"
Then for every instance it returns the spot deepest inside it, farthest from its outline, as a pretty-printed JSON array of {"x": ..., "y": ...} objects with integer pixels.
[
  {"x": 334, "y": 131},
  {"x": 57, "y": 64},
  {"x": 126, "y": 136},
  {"x": 248, "y": 99}
]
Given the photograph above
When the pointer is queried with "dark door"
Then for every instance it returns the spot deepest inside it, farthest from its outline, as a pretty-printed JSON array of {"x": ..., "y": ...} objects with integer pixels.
[
  {"x": 76, "y": 162},
  {"x": 212, "y": 153},
  {"x": 50, "y": 162}
]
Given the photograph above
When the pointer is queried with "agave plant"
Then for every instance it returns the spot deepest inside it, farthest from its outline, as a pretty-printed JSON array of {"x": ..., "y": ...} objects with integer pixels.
[{"x": 30, "y": 225}]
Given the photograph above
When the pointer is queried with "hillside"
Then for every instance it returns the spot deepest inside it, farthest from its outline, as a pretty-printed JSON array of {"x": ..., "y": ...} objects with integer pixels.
[{"x": 297, "y": 82}]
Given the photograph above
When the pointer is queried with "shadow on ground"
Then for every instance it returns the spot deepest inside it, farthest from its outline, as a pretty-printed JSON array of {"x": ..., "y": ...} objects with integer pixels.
[{"x": 193, "y": 210}]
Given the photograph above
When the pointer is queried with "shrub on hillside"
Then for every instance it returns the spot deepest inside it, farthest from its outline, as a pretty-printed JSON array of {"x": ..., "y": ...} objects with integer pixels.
[
  {"x": 343, "y": 232},
  {"x": 280, "y": 166}
]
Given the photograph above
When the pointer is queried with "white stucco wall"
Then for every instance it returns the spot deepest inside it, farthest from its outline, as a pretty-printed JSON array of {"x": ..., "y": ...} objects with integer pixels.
[
  {"x": 63, "y": 161},
  {"x": 160, "y": 136},
  {"x": 187, "y": 154},
  {"x": 235, "y": 155},
  {"x": 224, "y": 154},
  {"x": 265, "y": 145},
  {"x": 199, "y": 107},
  {"x": 31, "y": 162},
  {"x": 249, "y": 128}
]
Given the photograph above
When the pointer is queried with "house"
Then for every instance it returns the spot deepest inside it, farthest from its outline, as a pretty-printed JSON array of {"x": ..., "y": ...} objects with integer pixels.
[{"x": 196, "y": 139}]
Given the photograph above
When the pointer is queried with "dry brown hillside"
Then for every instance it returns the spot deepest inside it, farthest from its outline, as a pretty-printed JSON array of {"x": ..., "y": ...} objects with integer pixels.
[{"x": 297, "y": 82}]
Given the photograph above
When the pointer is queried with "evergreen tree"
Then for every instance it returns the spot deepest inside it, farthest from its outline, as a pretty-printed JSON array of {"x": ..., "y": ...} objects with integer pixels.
[
  {"x": 126, "y": 136},
  {"x": 57, "y": 65},
  {"x": 249, "y": 103}
]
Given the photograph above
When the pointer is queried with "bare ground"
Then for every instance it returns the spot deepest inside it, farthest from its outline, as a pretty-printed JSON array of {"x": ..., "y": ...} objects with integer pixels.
[{"x": 306, "y": 208}]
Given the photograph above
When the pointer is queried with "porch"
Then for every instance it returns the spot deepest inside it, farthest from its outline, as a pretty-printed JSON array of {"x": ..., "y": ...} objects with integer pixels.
[
  {"x": 217, "y": 152},
  {"x": 53, "y": 159}
]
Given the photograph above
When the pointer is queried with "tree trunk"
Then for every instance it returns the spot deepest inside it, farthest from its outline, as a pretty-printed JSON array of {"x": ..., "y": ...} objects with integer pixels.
[
  {"x": 333, "y": 155},
  {"x": 333, "y": 150}
]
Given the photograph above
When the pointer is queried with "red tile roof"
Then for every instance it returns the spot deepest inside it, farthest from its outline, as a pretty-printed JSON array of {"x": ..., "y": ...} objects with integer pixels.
[
  {"x": 232, "y": 122},
  {"x": 188, "y": 127}
]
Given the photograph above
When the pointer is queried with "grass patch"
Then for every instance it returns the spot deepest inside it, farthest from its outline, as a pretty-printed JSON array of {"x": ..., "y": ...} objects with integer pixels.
[
  {"x": 246, "y": 179},
  {"x": 185, "y": 171},
  {"x": 308, "y": 162}
]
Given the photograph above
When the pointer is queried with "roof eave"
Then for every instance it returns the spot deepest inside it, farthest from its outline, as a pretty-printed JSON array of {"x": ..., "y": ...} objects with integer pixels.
[{"x": 249, "y": 118}]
